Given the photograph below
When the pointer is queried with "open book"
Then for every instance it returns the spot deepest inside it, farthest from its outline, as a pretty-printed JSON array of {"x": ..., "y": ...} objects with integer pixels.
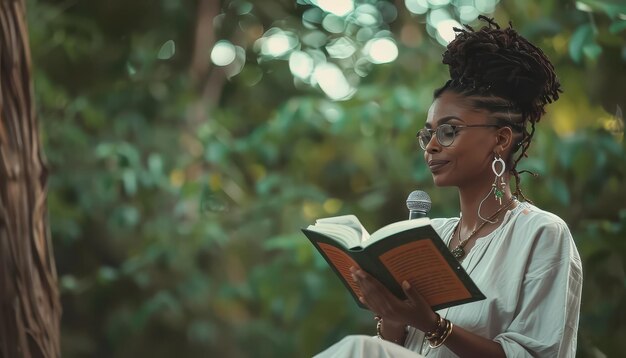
[{"x": 408, "y": 250}]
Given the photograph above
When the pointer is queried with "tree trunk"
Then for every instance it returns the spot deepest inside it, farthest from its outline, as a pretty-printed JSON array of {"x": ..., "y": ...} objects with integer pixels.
[{"x": 30, "y": 308}]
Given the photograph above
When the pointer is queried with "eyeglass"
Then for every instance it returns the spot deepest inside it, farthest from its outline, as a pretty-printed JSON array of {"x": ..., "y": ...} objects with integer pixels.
[{"x": 445, "y": 133}]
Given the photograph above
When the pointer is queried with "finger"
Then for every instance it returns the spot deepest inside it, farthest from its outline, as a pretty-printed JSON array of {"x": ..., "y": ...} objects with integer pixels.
[
  {"x": 359, "y": 283},
  {"x": 424, "y": 316},
  {"x": 413, "y": 294},
  {"x": 364, "y": 302},
  {"x": 369, "y": 281},
  {"x": 369, "y": 284},
  {"x": 378, "y": 297},
  {"x": 371, "y": 292}
]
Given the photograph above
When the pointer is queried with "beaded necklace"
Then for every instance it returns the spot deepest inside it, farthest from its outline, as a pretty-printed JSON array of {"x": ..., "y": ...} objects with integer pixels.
[{"x": 459, "y": 251}]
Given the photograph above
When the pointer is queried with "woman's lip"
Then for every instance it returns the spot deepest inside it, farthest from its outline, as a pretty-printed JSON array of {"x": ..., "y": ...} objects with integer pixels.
[{"x": 435, "y": 165}]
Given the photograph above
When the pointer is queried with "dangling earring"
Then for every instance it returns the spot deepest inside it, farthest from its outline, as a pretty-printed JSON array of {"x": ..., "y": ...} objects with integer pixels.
[{"x": 498, "y": 188}]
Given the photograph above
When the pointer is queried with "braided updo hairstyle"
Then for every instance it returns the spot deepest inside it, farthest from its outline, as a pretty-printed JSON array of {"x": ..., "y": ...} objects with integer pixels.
[{"x": 501, "y": 72}]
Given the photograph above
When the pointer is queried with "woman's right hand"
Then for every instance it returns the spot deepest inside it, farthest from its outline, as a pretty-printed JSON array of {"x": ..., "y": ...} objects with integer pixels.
[{"x": 413, "y": 311}]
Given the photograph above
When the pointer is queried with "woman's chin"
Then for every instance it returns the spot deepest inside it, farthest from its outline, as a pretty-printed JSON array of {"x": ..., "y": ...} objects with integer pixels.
[{"x": 440, "y": 180}]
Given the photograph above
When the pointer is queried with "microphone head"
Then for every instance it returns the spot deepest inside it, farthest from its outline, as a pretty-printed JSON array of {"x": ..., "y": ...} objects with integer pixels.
[{"x": 418, "y": 200}]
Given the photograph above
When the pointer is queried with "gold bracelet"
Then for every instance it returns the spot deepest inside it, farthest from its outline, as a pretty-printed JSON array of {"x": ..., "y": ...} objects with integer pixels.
[
  {"x": 438, "y": 330},
  {"x": 436, "y": 342},
  {"x": 439, "y": 342}
]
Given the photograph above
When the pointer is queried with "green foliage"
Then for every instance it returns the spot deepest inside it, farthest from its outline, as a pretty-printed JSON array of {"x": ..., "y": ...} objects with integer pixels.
[
  {"x": 178, "y": 236},
  {"x": 584, "y": 41}
]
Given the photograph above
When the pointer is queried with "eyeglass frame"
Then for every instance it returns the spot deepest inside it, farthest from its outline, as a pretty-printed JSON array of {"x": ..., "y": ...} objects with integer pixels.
[{"x": 454, "y": 128}]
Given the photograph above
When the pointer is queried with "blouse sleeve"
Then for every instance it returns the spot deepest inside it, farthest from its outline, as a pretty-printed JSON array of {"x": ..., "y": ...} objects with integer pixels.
[{"x": 547, "y": 311}]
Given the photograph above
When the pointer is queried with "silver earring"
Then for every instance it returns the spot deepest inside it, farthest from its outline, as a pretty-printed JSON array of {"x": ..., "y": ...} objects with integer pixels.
[
  {"x": 498, "y": 190},
  {"x": 498, "y": 184}
]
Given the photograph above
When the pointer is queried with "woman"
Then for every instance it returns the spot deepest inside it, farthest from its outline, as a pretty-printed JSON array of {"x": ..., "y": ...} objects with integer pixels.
[{"x": 523, "y": 259}]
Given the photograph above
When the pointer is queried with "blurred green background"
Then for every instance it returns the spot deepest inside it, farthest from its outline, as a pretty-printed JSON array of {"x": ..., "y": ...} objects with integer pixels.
[{"x": 189, "y": 141}]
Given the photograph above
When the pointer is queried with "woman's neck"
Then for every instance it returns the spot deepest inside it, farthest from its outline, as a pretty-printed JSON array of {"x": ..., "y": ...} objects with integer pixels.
[{"x": 470, "y": 201}]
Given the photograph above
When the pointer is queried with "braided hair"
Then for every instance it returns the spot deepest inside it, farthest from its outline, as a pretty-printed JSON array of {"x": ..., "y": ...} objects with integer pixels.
[{"x": 500, "y": 71}]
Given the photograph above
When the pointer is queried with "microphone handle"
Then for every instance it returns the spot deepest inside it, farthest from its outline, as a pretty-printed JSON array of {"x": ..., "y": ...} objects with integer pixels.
[{"x": 416, "y": 214}]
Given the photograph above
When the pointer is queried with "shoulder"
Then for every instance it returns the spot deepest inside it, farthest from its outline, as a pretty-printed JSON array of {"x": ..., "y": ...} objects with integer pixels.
[
  {"x": 532, "y": 218},
  {"x": 547, "y": 237},
  {"x": 441, "y": 224},
  {"x": 444, "y": 226}
]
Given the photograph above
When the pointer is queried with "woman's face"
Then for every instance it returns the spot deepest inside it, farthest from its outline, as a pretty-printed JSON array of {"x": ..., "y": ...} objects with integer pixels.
[{"x": 467, "y": 161}]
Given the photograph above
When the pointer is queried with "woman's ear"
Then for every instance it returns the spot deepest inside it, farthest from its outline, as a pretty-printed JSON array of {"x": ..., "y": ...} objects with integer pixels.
[{"x": 504, "y": 139}]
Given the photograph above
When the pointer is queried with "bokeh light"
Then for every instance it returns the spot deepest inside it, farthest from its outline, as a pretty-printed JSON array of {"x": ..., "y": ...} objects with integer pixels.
[
  {"x": 485, "y": 6},
  {"x": 237, "y": 65},
  {"x": 418, "y": 7},
  {"x": 381, "y": 50},
  {"x": 367, "y": 15},
  {"x": 333, "y": 23},
  {"x": 337, "y": 7},
  {"x": 342, "y": 47},
  {"x": 277, "y": 42},
  {"x": 438, "y": 15},
  {"x": 332, "y": 81},
  {"x": 445, "y": 29},
  {"x": 437, "y": 3},
  {"x": 301, "y": 64},
  {"x": 223, "y": 53},
  {"x": 468, "y": 13}
]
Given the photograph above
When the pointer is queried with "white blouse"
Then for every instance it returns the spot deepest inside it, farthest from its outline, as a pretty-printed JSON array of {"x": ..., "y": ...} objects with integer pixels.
[{"x": 530, "y": 271}]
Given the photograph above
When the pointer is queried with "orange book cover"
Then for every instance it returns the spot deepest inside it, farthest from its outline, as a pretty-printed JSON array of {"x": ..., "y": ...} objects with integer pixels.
[{"x": 409, "y": 250}]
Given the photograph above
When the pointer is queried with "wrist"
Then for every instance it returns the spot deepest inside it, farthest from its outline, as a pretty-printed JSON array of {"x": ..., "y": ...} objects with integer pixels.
[
  {"x": 391, "y": 331},
  {"x": 390, "y": 325},
  {"x": 438, "y": 335},
  {"x": 429, "y": 323}
]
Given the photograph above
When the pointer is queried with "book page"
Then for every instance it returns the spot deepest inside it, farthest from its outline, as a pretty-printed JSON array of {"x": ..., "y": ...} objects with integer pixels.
[
  {"x": 421, "y": 264},
  {"x": 344, "y": 220},
  {"x": 341, "y": 234},
  {"x": 342, "y": 263},
  {"x": 396, "y": 227},
  {"x": 346, "y": 229}
]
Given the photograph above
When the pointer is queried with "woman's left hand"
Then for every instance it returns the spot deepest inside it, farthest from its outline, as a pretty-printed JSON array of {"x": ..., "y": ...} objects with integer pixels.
[{"x": 414, "y": 311}]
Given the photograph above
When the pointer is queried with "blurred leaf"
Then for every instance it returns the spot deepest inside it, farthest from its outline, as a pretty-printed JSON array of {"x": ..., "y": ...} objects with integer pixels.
[
  {"x": 617, "y": 26},
  {"x": 582, "y": 37},
  {"x": 612, "y": 8},
  {"x": 167, "y": 50}
]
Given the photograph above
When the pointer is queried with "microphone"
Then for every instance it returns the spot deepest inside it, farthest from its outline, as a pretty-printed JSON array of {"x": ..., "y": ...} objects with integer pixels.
[{"x": 418, "y": 203}]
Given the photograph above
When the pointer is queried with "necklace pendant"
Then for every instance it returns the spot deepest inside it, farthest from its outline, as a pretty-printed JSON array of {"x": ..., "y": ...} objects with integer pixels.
[{"x": 458, "y": 252}]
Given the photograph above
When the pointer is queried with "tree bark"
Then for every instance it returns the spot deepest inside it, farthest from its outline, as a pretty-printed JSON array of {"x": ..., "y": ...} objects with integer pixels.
[
  {"x": 30, "y": 308},
  {"x": 208, "y": 78}
]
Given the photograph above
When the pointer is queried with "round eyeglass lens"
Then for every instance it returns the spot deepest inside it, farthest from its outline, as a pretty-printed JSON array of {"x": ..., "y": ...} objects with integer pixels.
[
  {"x": 423, "y": 136},
  {"x": 445, "y": 134}
]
